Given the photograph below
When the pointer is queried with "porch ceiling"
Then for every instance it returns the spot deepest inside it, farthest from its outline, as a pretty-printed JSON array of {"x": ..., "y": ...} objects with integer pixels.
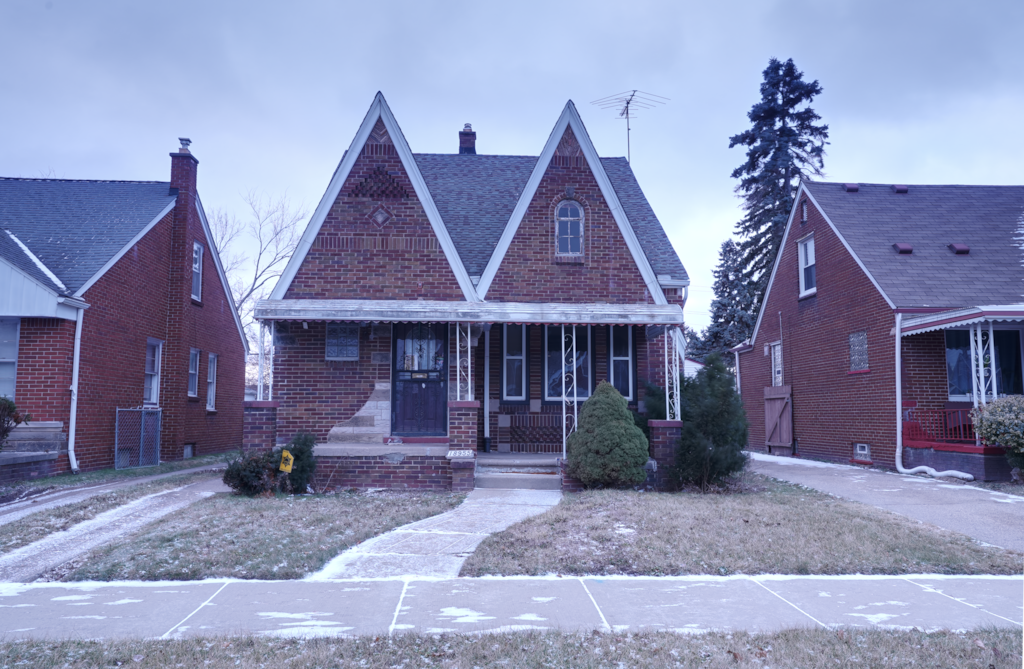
[
  {"x": 945, "y": 320},
  {"x": 438, "y": 311}
]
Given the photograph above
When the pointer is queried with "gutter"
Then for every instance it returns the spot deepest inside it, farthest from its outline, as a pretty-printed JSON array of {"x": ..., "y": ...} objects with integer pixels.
[
  {"x": 73, "y": 423},
  {"x": 899, "y": 416}
]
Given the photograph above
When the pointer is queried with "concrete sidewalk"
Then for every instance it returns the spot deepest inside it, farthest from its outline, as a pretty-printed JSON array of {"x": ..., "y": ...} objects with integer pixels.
[
  {"x": 389, "y": 606},
  {"x": 991, "y": 517}
]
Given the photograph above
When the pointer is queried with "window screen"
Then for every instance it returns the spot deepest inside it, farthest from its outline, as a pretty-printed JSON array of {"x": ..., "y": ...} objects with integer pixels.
[{"x": 554, "y": 366}]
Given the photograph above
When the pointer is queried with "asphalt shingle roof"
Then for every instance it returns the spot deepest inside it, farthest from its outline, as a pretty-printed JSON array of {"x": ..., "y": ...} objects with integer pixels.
[
  {"x": 989, "y": 219},
  {"x": 475, "y": 195},
  {"x": 75, "y": 227},
  {"x": 14, "y": 254}
]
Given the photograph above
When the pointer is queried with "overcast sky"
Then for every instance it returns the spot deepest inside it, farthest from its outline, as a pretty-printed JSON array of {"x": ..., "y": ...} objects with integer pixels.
[{"x": 271, "y": 94}]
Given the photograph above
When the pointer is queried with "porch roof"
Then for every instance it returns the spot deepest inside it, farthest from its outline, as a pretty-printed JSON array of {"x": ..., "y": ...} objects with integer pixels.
[
  {"x": 439, "y": 311},
  {"x": 945, "y": 320}
]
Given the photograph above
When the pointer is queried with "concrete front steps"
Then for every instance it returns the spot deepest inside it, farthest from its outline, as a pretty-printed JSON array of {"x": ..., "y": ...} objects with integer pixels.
[{"x": 518, "y": 471}]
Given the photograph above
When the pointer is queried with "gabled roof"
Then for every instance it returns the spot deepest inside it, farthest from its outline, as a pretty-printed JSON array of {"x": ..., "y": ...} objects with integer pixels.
[
  {"x": 75, "y": 227},
  {"x": 21, "y": 258},
  {"x": 989, "y": 219}
]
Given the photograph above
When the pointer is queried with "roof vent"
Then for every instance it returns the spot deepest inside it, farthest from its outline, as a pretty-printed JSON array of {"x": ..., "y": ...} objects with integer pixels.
[
  {"x": 185, "y": 141},
  {"x": 960, "y": 249},
  {"x": 851, "y": 188},
  {"x": 899, "y": 188},
  {"x": 903, "y": 249}
]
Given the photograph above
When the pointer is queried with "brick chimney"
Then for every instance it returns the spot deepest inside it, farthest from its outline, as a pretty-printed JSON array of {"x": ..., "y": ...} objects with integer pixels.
[
  {"x": 467, "y": 141},
  {"x": 183, "y": 168}
]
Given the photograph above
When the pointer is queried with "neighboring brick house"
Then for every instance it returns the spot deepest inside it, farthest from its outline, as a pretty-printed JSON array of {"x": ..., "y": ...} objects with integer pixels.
[
  {"x": 423, "y": 315},
  {"x": 879, "y": 302},
  {"x": 112, "y": 296}
]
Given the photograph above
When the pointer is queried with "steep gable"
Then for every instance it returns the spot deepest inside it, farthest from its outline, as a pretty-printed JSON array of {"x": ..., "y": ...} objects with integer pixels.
[{"x": 376, "y": 233}]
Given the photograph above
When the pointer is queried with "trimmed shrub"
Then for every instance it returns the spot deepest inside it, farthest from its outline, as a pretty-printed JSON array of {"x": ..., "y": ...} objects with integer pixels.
[
  {"x": 714, "y": 431},
  {"x": 10, "y": 418},
  {"x": 304, "y": 466},
  {"x": 1001, "y": 422},
  {"x": 253, "y": 474},
  {"x": 607, "y": 449}
]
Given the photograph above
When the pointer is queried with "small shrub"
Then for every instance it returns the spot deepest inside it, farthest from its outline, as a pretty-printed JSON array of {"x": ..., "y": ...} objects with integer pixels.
[
  {"x": 714, "y": 431},
  {"x": 607, "y": 449},
  {"x": 10, "y": 418},
  {"x": 1001, "y": 421},
  {"x": 253, "y": 474},
  {"x": 304, "y": 466}
]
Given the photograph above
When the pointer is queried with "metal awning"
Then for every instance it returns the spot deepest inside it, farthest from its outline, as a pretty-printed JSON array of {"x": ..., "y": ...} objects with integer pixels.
[
  {"x": 439, "y": 311},
  {"x": 956, "y": 318}
]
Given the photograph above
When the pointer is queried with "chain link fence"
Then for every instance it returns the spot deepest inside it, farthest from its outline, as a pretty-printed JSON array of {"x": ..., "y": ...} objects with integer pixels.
[{"x": 137, "y": 437}]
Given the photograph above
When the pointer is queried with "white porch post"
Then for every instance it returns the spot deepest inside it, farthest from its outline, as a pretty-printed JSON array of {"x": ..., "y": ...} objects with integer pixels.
[
  {"x": 974, "y": 366},
  {"x": 992, "y": 359},
  {"x": 259, "y": 365},
  {"x": 464, "y": 362},
  {"x": 273, "y": 335},
  {"x": 674, "y": 368},
  {"x": 569, "y": 385}
]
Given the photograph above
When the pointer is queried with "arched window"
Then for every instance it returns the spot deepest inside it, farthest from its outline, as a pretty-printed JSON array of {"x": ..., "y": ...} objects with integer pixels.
[{"x": 569, "y": 228}]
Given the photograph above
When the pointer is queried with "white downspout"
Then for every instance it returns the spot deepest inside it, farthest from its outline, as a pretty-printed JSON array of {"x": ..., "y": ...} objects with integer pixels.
[
  {"x": 739, "y": 390},
  {"x": 899, "y": 417},
  {"x": 73, "y": 422}
]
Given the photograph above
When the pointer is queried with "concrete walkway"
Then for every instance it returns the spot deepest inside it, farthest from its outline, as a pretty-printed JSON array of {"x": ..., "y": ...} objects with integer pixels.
[
  {"x": 388, "y": 606},
  {"x": 991, "y": 517},
  {"x": 437, "y": 546}
]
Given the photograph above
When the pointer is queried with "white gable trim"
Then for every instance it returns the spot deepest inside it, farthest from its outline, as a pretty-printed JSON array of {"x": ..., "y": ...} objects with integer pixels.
[
  {"x": 778, "y": 258},
  {"x": 571, "y": 118},
  {"x": 124, "y": 249},
  {"x": 379, "y": 109},
  {"x": 220, "y": 272},
  {"x": 38, "y": 263}
]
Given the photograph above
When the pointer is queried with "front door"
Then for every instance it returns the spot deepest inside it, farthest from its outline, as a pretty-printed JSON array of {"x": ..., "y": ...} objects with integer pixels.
[{"x": 420, "y": 404}]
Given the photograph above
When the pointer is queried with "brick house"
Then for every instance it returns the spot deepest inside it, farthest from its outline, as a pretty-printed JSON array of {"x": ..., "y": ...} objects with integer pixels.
[
  {"x": 112, "y": 297},
  {"x": 891, "y": 311},
  {"x": 441, "y": 305}
]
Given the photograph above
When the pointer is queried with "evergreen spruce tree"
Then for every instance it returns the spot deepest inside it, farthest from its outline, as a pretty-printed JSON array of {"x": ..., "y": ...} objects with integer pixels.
[
  {"x": 732, "y": 310},
  {"x": 784, "y": 144}
]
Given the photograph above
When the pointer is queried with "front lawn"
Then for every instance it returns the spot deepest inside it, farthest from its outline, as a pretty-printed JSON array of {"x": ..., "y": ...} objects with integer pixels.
[
  {"x": 760, "y": 526},
  {"x": 281, "y": 537},
  {"x": 985, "y": 649}
]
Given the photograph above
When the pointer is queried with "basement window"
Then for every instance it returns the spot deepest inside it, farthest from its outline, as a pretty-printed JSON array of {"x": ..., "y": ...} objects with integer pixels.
[{"x": 342, "y": 342}]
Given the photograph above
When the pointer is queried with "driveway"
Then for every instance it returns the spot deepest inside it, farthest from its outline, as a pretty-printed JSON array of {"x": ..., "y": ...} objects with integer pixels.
[{"x": 990, "y": 517}]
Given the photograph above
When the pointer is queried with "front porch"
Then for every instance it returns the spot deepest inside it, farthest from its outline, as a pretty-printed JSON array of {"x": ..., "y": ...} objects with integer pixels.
[{"x": 410, "y": 394}]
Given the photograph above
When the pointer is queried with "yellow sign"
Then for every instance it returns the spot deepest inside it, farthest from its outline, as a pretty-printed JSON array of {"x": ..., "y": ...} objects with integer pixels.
[{"x": 286, "y": 461}]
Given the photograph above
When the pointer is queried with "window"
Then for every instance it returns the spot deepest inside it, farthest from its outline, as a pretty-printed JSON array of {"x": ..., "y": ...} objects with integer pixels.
[
  {"x": 554, "y": 366},
  {"x": 514, "y": 370},
  {"x": 569, "y": 228},
  {"x": 859, "y": 351},
  {"x": 193, "y": 372},
  {"x": 621, "y": 363},
  {"x": 803, "y": 211},
  {"x": 197, "y": 271},
  {"x": 776, "y": 353},
  {"x": 342, "y": 342},
  {"x": 958, "y": 363},
  {"x": 151, "y": 387},
  {"x": 808, "y": 283},
  {"x": 211, "y": 384},
  {"x": 8, "y": 355}
]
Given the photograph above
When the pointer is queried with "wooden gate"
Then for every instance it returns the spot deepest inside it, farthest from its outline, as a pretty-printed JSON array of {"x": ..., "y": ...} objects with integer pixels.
[{"x": 778, "y": 417}]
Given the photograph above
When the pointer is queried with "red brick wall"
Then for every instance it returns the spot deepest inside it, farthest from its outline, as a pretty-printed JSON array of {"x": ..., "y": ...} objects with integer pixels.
[
  {"x": 924, "y": 370},
  {"x": 529, "y": 272},
  {"x": 260, "y": 426},
  {"x": 665, "y": 436},
  {"x": 46, "y": 348},
  {"x": 832, "y": 408},
  {"x": 464, "y": 424},
  {"x": 315, "y": 394},
  {"x": 353, "y": 258},
  {"x": 431, "y": 472}
]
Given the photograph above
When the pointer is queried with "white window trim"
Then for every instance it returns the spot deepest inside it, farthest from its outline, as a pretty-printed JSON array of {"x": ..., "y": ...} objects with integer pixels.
[
  {"x": 505, "y": 356},
  {"x": 17, "y": 342},
  {"x": 590, "y": 366},
  {"x": 155, "y": 387},
  {"x": 570, "y": 254},
  {"x": 211, "y": 383},
  {"x": 196, "y": 246},
  {"x": 342, "y": 358},
  {"x": 801, "y": 252},
  {"x": 193, "y": 374},
  {"x": 630, "y": 358}
]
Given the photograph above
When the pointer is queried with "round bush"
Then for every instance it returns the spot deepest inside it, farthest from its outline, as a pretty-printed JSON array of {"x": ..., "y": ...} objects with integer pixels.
[
  {"x": 1001, "y": 422},
  {"x": 607, "y": 449}
]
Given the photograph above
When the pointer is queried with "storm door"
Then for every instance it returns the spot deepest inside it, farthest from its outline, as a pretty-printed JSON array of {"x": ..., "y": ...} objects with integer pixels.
[{"x": 420, "y": 405}]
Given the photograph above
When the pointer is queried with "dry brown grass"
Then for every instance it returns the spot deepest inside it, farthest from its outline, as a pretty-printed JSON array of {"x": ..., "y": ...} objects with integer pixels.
[
  {"x": 44, "y": 523},
  {"x": 989, "y": 648},
  {"x": 762, "y": 526},
  {"x": 264, "y": 538}
]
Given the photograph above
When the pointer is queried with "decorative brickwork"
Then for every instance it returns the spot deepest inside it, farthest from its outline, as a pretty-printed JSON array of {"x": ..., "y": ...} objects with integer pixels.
[
  {"x": 260, "y": 426},
  {"x": 664, "y": 443},
  {"x": 387, "y": 471}
]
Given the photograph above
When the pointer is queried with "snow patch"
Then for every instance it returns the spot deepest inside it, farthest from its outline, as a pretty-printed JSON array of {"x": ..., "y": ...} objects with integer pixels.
[
  {"x": 38, "y": 263},
  {"x": 464, "y": 615}
]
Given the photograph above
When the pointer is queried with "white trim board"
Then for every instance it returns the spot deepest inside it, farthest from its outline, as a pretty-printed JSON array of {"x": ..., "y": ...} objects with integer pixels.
[
  {"x": 571, "y": 118},
  {"x": 215, "y": 252},
  {"x": 378, "y": 109},
  {"x": 778, "y": 258}
]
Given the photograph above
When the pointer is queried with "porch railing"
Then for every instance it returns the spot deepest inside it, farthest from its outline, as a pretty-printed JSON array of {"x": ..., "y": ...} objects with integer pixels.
[{"x": 942, "y": 425}]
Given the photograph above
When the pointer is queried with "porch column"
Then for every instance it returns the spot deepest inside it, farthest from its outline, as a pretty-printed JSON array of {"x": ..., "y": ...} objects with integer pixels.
[{"x": 569, "y": 386}]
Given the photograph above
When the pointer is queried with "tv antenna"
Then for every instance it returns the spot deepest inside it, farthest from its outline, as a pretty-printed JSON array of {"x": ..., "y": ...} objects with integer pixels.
[{"x": 626, "y": 104}]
